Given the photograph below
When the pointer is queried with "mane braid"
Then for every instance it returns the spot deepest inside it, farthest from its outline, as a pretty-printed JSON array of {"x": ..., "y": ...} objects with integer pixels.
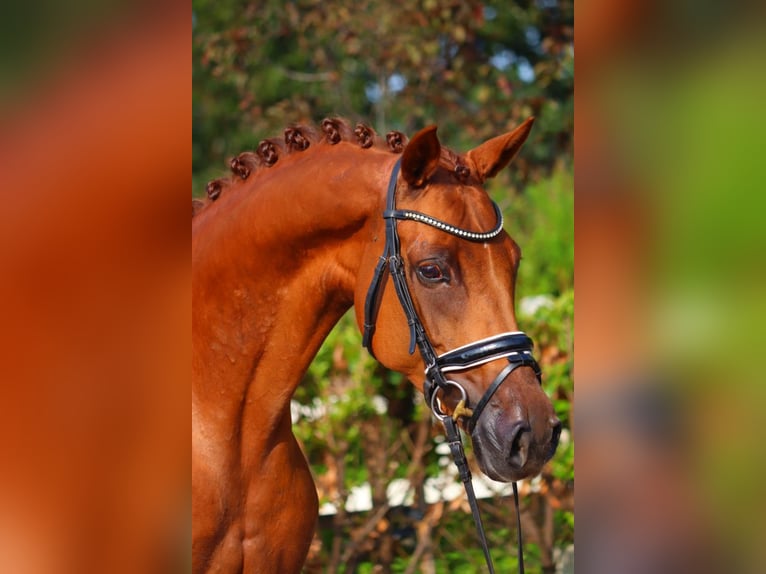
[
  {"x": 243, "y": 164},
  {"x": 298, "y": 138},
  {"x": 268, "y": 151},
  {"x": 365, "y": 135},
  {"x": 215, "y": 187},
  {"x": 396, "y": 141},
  {"x": 336, "y": 130}
]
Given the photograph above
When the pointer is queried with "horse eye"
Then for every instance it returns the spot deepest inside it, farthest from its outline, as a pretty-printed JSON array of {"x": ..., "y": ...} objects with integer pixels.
[{"x": 432, "y": 273}]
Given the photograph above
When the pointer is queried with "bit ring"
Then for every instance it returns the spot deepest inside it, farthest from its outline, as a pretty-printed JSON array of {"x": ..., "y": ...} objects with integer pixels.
[{"x": 436, "y": 402}]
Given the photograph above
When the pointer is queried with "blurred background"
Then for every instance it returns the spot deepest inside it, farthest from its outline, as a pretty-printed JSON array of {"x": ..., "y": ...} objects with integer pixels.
[
  {"x": 476, "y": 70},
  {"x": 670, "y": 239},
  {"x": 94, "y": 286}
]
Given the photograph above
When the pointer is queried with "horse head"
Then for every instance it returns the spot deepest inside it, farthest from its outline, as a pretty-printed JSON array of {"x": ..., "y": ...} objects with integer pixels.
[{"x": 458, "y": 269}]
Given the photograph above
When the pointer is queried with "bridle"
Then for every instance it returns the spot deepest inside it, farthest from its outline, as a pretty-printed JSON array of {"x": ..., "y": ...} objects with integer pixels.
[{"x": 515, "y": 346}]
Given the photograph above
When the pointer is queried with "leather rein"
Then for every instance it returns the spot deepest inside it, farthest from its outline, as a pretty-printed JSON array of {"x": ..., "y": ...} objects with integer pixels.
[{"x": 515, "y": 346}]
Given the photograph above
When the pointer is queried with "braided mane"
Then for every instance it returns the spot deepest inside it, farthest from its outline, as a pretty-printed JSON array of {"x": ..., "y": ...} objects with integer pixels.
[{"x": 298, "y": 138}]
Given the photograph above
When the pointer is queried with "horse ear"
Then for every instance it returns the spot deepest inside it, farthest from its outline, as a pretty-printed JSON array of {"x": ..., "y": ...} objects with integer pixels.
[
  {"x": 493, "y": 155},
  {"x": 421, "y": 157}
]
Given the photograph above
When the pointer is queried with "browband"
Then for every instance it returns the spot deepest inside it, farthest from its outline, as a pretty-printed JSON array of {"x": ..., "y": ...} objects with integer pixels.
[{"x": 444, "y": 226}]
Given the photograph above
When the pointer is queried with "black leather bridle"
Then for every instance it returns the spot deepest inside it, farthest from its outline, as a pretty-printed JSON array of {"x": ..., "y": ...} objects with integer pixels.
[{"x": 515, "y": 346}]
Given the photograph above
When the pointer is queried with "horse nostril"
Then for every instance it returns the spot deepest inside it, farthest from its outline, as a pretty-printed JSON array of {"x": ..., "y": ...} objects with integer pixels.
[{"x": 519, "y": 445}]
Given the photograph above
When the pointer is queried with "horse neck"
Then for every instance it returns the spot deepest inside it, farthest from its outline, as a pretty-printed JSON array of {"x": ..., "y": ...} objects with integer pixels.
[{"x": 275, "y": 262}]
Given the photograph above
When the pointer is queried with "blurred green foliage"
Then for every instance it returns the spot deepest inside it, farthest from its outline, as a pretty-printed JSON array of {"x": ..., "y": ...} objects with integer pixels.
[
  {"x": 475, "y": 69},
  {"x": 541, "y": 220},
  {"x": 701, "y": 188}
]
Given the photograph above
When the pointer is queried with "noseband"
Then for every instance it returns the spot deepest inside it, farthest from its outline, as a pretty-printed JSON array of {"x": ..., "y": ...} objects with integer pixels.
[{"x": 515, "y": 346}]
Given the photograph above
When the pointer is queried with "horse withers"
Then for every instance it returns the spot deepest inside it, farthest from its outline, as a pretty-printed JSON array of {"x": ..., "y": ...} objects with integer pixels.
[{"x": 280, "y": 251}]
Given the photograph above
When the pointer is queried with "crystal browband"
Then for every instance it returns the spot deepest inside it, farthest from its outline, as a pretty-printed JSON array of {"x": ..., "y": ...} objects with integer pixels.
[{"x": 446, "y": 227}]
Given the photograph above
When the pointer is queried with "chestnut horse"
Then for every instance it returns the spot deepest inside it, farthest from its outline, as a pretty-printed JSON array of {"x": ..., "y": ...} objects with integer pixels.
[{"x": 280, "y": 251}]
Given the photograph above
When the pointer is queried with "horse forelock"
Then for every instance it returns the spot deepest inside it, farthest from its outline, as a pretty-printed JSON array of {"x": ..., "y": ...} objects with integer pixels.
[{"x": 299, "y": 138}]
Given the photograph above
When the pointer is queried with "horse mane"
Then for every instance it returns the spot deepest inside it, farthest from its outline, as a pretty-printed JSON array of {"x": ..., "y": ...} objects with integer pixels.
[{"x": 298, "y": 138}]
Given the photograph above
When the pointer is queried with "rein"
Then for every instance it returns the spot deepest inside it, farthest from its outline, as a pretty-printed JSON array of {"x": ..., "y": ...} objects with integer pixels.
[{"x": 516, "y": 347}]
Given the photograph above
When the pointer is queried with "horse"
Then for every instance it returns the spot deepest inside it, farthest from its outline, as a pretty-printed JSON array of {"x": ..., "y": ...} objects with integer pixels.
[{"x": 305, "y": 227}]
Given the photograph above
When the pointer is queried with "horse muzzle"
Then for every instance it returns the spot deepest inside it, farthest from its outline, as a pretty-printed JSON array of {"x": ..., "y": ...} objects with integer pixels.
[
  {"x": 513, "y": 425},
  {"x": 511, "y": 448}
]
